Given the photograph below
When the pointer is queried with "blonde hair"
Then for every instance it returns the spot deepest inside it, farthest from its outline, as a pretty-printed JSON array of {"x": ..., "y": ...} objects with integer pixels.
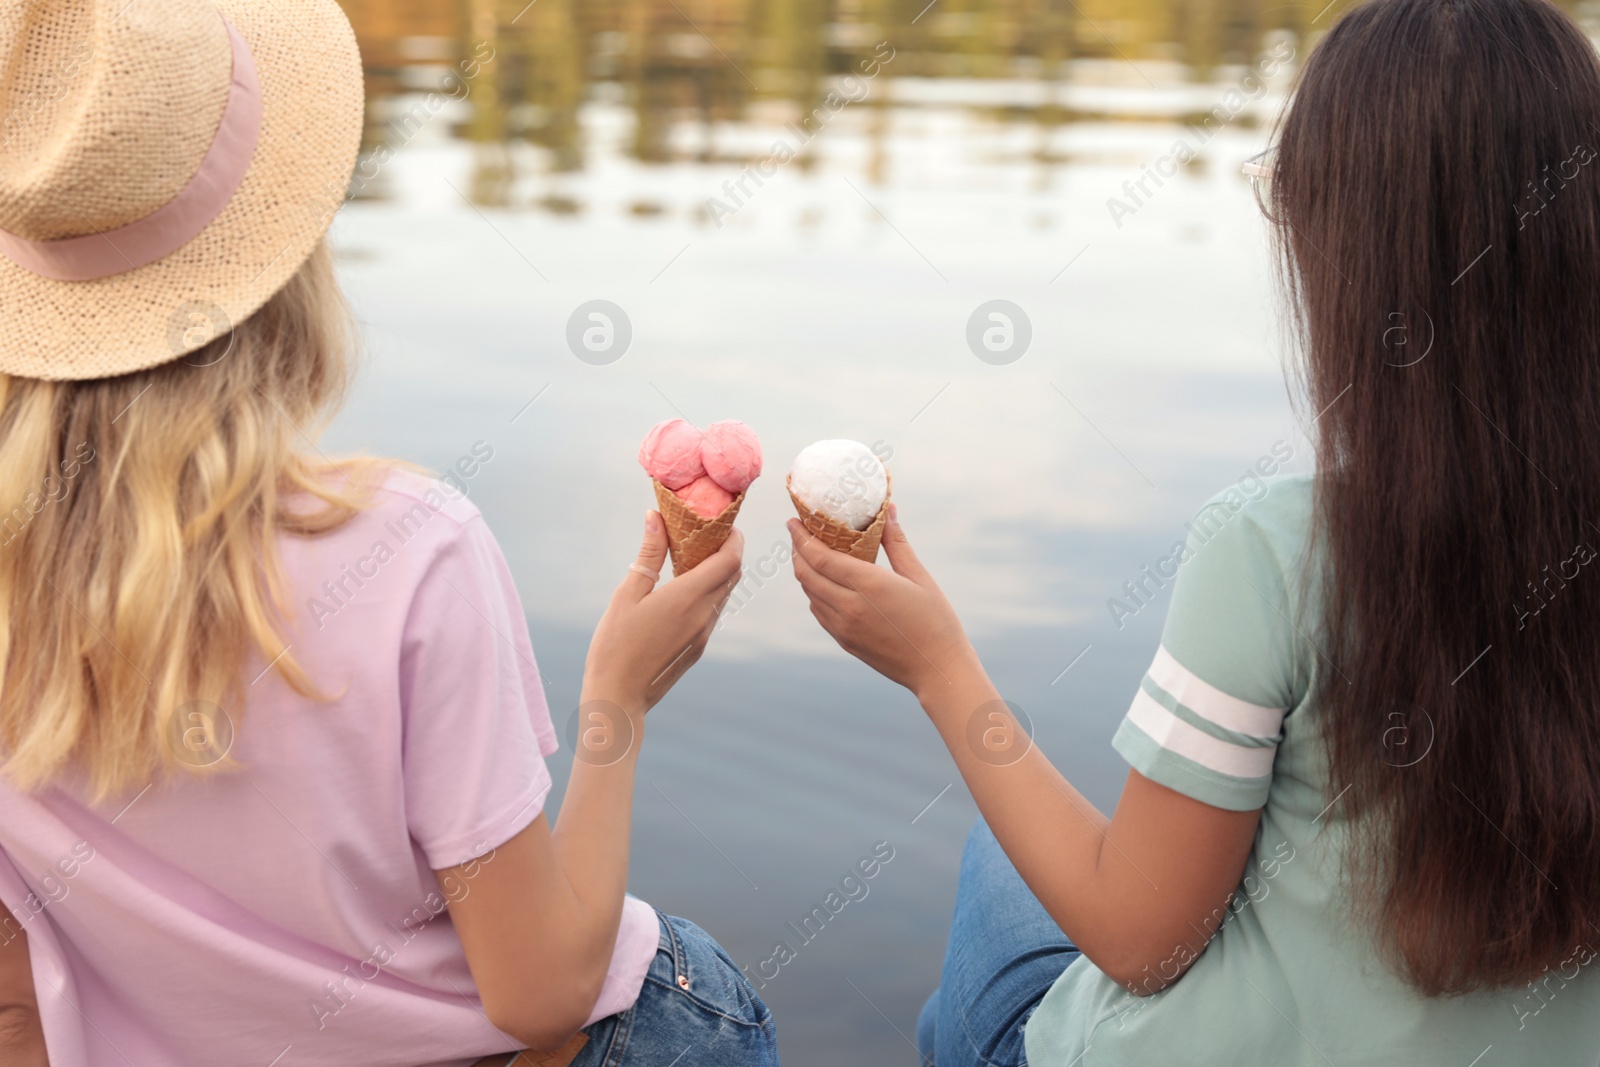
[{"x": 137, "y": 561}]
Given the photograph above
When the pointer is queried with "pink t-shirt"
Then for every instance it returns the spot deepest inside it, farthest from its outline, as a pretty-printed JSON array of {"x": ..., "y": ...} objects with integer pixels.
[{"x": 286, "y": 913}]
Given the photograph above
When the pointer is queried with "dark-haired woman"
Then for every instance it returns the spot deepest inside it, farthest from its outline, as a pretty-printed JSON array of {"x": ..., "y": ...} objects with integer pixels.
[{"x": 1363, "y": 820}]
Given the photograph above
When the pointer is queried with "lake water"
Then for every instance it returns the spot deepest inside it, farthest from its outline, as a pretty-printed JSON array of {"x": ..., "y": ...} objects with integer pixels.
[{"x": 521, "y": 166}]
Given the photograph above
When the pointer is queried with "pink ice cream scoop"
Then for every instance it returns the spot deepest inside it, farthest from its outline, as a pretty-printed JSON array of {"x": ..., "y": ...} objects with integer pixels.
[
  {"x": 731, "y": 455},
  {"x": 671, "y": 453},
  {"x": 705, "y": 497}
]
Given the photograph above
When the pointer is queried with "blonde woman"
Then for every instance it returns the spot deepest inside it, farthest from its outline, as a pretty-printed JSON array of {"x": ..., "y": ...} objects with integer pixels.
[{"x": 272, "y": 732}]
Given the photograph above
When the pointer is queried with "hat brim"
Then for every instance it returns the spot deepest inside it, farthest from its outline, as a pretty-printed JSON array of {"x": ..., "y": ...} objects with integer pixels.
[{"x": 309, "y": 69}]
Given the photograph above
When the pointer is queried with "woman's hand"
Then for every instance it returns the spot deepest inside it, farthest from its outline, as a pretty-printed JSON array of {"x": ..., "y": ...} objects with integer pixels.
[
  {"x": 896, "y": 622},
  {"x": 649, "y": 637}
]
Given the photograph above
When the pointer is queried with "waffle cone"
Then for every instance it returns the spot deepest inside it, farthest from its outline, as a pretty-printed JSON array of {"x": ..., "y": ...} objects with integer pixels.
[
  {"x": 862, "y": 544},
  {"x": 690, "y": 536}
]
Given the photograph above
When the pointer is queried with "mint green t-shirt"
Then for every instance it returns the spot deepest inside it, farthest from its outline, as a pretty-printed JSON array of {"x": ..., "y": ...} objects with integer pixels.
[{"x": 1226, "y": 715}]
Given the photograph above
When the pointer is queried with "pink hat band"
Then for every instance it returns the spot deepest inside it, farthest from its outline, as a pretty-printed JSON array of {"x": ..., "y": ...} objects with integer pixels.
[{"x": 179, "y": 220}]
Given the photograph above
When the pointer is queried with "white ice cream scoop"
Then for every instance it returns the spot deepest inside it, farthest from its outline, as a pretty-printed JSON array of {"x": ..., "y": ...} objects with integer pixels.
[{"x": 842, "y": 480}]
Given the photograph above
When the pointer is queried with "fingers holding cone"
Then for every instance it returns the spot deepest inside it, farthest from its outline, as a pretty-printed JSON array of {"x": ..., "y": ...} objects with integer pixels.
[
  {"x": 645, "y": 570},
  {"x": 820, "y": 569},
  {"x": 902, "y": 557},
  {"x": 719, "y": 571}
]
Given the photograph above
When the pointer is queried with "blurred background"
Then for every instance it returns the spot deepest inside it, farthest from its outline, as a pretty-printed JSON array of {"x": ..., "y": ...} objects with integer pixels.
[{"x": 1006, "y": 242}]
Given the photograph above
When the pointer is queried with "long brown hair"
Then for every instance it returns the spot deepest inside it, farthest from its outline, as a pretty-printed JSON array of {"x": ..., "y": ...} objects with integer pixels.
[
  {"x": 1435, "y": 199},
  {"x": 137, "y": 560}
]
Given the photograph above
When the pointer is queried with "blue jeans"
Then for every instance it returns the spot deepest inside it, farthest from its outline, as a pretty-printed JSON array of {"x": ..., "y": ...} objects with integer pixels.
[
  {"x": 1004, "y": 954},
  {"x": 715, "y": 1020}
]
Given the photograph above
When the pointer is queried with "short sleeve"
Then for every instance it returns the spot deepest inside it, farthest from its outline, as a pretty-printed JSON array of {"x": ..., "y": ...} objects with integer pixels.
[
  {"x": 477, "y": 727},
  {"x": 1208, "y": 716}
]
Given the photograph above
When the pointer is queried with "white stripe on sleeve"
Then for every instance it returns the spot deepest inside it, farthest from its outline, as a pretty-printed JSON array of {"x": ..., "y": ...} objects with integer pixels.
[
  {"x": 1213, "y": 753},
  {"x": 1211, "y": 703}
]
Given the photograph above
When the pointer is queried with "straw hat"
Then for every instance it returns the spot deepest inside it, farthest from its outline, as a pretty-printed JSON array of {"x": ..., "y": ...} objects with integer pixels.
[{"x": 165, "y": 167}]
